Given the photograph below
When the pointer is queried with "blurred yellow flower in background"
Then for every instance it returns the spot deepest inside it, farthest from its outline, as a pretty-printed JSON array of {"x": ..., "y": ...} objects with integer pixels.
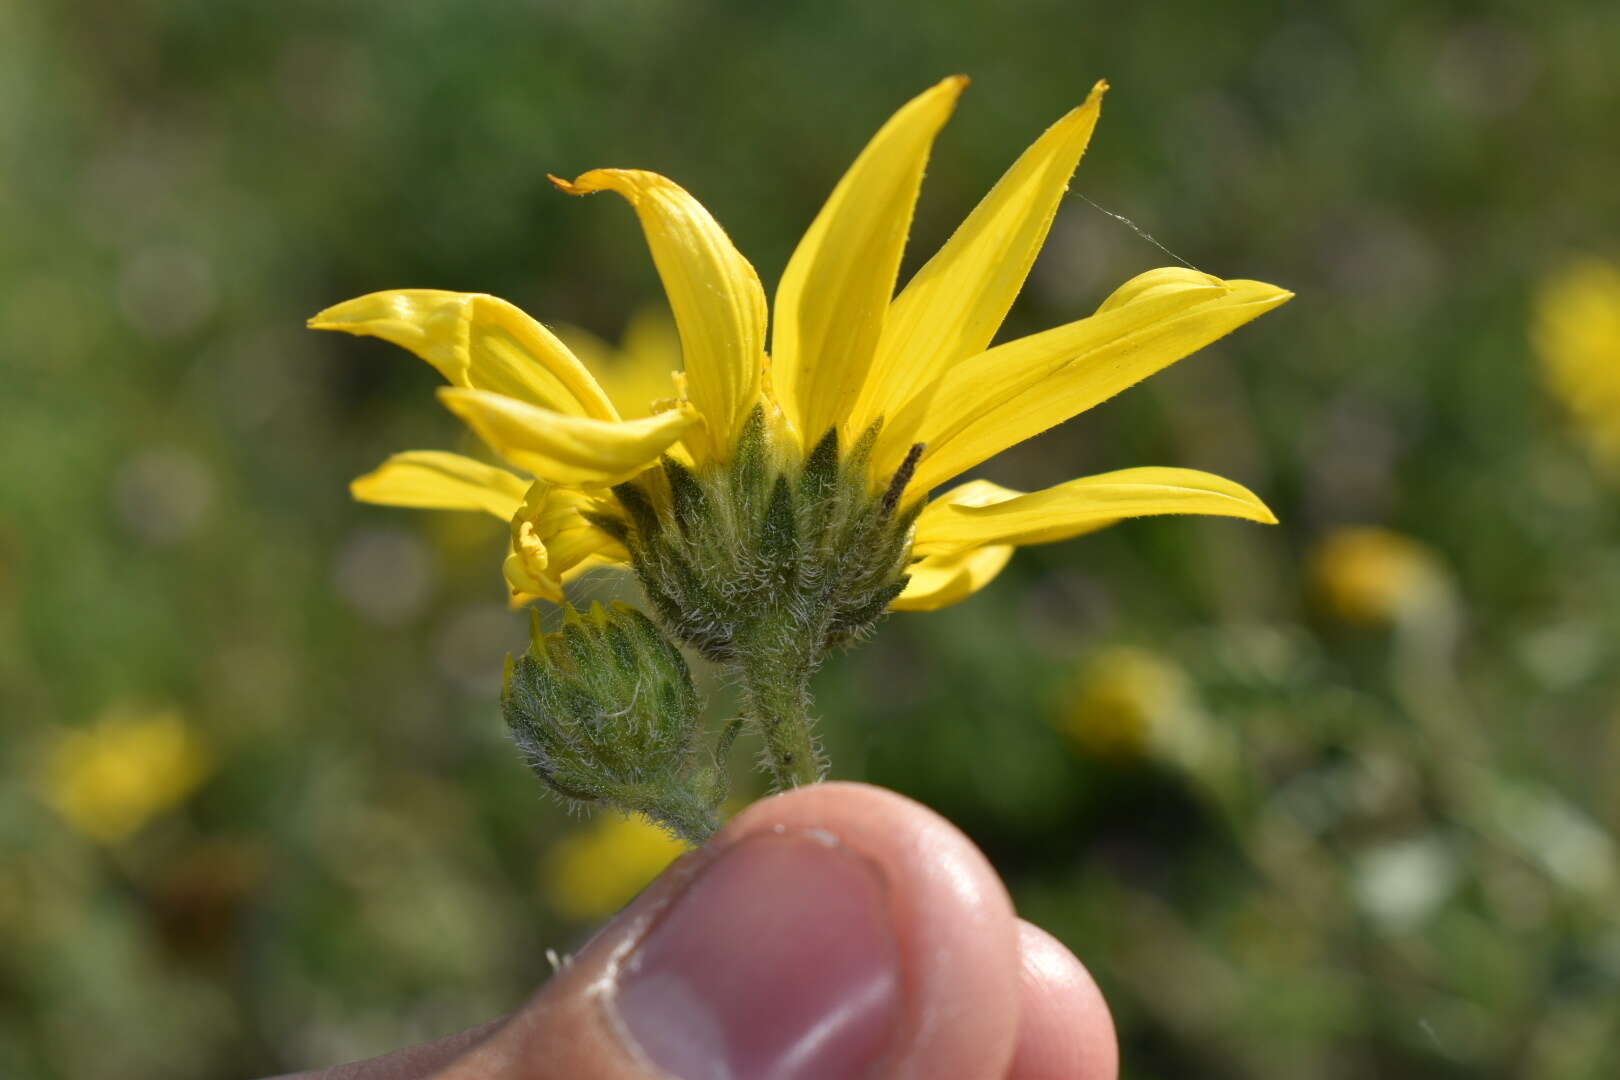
[
  {"x": 595, "y": 871},
  {"x": 1371, "y": 576},
  {"x": 638, "y": 373},
  {"x": 1577, "y": 337},
  {"x": 1129, "y": 702},
  {"x": 131, "y": 765}
]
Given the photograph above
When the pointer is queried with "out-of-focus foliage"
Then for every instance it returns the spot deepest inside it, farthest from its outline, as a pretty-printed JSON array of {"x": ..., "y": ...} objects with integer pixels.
[{"x": 1324, "y": 848}]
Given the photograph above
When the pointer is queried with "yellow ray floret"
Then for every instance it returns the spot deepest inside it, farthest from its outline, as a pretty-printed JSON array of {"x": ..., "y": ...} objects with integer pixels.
[
  {"x": 833, "y": 296},
  {"x": 552, "y": 543},
  {"x": 718, "y": 303},
  {"x": 566, "y": 449},
  {"x": 435, "y": 480},
  {"x": 965, "y": 537},
  {"x": 476, "y": 341},
  {"x": 1000, "y": 397},
  {"x": 941, "y": 580},
  {"x": 980, "y": 512},
  {"x": 957, "y": 301}
]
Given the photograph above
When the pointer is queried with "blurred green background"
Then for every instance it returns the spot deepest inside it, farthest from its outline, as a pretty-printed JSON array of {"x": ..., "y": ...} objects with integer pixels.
[{"x": 1310, "y": 802}]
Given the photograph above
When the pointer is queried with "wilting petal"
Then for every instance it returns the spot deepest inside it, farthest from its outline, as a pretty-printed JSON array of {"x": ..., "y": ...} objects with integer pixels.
[
  {"x": 566, "y": 449},
  {"x": 957, "y": 302},
  {"x": 941, "y": 580},
  {"x": 435, "y": 480},
  {"x": 553, "y": 543},
  {"x": 476, "y": 341},
  {"x": 1002, "y": 516},
  {"x": 718, "y": 303},
  {"x": 986, "y": 403},
  {"x": 837, "y": 286}
]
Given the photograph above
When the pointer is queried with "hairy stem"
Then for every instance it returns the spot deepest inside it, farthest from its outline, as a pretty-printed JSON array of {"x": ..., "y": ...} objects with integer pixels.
[{"x": 777, "y": 688}]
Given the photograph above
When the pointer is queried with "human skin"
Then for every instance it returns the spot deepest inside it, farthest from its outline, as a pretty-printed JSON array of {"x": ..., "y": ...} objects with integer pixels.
[{"x": 837, "y": 931}]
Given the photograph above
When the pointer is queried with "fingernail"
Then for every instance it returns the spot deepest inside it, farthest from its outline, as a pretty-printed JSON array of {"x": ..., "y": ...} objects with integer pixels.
[{"x": 778, "y": 963}]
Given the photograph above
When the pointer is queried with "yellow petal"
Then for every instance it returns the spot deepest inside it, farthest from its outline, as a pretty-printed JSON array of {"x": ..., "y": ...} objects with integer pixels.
[
  {"x": 991, "y": 514},
  {"x": 553, "y": 543},
  {"x": 837, "y": 286},
  {"x": 476, "y": 341},
  {"x": 1000, "y": 397},
  {"x": 435, "y": 480},
  {"x": 957, "y": 302},
  {"x": 718, "y": 303},
  {"x": 610, "y": 557},
  {"x": 566, "y": 449},
  {"x": 941, "y": 580}
]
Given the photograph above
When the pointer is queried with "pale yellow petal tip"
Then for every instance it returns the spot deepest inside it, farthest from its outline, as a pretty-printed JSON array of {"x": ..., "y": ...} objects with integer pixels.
[
  {"x": 365, "y": 489},
  {"x": 329, "y": 318},
  {"x": 943, "y": 94},
  {"x": 571, "y": 187},
  {"x": 589, "y": 183},
  {"x": 1261, "y": 292},
  {"x": 353, "y": 315},
  {"x": 1086, "y": 112}
]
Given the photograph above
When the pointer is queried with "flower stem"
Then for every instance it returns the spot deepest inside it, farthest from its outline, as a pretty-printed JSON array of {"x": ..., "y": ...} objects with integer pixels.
[{"x": 777, "y": 688}]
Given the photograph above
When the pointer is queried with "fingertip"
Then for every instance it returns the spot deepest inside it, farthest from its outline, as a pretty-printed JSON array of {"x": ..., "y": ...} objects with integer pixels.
[
  {"x": 1065, "y": 1029},
  {"x": 837, "y": 930},
  {"x": 954, "y": 922}
]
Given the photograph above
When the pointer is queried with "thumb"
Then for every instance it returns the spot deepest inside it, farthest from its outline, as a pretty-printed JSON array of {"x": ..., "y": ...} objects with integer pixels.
[{"x": 836, "y": 930}]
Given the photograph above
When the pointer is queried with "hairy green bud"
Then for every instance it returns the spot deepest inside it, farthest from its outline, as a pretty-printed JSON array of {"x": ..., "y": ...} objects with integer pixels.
[{"x": 606, "y": 713}]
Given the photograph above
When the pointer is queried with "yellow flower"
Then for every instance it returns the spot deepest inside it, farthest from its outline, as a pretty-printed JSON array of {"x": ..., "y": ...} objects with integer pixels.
[
  {"x": 1126, "y": 702},
  {"x": 915, "y": 373},
  {"x": 1577, "y": 334},
  {"x": 109, "y": 780},
  {"x": 597, "y": 870},
  {"x": 1364, "y": 574}
]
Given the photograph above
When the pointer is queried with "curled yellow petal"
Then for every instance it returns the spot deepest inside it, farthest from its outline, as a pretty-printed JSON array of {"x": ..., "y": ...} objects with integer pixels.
[
  {"x": 435, "y": 480},
  {"x": 553, "y": 542},
  {"x": 831, "y": 302},
  {"x": 941, "y": 580},
  {"x": 718, "y": 303},
  {"x": 476, "y": 341},
  {"x": 957, "y": 301},
  {"x": 980, "y": 513},
  {"x": 1012, "y": 392},
  {"x": 566, "y": 449}
]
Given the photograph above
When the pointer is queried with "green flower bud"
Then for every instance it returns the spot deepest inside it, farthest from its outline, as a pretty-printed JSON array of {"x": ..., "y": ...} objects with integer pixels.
[{"x": 605, "y": 711}]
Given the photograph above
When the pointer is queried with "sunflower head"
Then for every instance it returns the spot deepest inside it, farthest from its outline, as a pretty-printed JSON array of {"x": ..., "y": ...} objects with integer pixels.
[{"x": 768, "y": 477}]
